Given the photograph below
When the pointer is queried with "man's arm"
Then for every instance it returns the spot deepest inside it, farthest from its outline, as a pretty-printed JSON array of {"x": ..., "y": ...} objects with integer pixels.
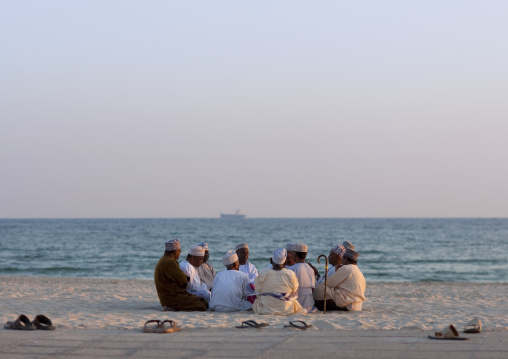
[
  {"x": 316, "y": 272},
  {"x": 178, "y": 276},
  {"x": 253, "y": 272},
  {"x": 338, "y": 277}
]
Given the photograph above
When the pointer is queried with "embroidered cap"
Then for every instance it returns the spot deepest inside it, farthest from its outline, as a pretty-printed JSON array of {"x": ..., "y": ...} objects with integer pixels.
[
  {"x": 172, "y": 245},
  {"x": 348, "y": 244},
  {"x": 229, "y": 258},
  {"x": 197, "y": 251},
  {"x": 339, "y": 250},
  {"x": 351, "y": 254},
  {"x": 241, "y": 245},
  {"x": 279, "y": 256},
  {"x": 300, "y": 247}
]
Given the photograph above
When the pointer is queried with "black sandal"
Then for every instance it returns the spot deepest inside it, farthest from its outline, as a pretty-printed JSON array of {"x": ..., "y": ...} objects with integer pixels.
[
  {"x": 43, "y": 322},
  {"x": 252, "y": 324},
  {"x": 303, "y": 325}
]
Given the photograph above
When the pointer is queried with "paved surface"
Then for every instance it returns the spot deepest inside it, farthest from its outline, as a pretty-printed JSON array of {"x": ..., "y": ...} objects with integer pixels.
[{"x": 246, "y": 343}]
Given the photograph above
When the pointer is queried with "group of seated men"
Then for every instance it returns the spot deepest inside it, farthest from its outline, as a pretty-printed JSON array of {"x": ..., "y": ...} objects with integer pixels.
[{"x": 288, "y": 285}]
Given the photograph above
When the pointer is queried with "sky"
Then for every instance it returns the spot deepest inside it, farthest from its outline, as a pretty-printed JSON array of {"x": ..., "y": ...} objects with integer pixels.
[{"x": 180, "y": 109}]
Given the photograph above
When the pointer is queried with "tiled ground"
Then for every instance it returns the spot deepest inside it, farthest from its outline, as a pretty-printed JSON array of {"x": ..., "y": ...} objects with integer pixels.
[{"x": 246, "y": 343}]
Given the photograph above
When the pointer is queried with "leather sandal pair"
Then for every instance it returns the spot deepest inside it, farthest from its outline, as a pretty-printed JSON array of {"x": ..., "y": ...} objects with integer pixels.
[
  {"x": 23, "y": 323},
  {"x": 474, "y": 326},
  {"x": 160, "y": 326}
]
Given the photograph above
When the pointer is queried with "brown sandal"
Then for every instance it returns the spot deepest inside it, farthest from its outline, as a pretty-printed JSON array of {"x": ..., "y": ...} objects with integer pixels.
[
  {"x": 22, "y": 323},
  {"x": 42, "y": 322}
]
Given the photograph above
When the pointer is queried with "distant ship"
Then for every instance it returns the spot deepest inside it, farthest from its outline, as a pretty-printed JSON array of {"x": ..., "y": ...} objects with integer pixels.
[{"x": 238, "y": 215}]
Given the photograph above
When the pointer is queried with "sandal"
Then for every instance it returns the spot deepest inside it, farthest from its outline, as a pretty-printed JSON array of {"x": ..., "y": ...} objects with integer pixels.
[
  {"x": 252, "y": 324},
  {"x": 161, "y": 327},
  {"x": 22, "y": 323},
  {"x": 43, "y": 322},
  {"x": 474, "y": 326},
  {"x": 447, "y": 333},
  {"x": 303, "y": 325}
]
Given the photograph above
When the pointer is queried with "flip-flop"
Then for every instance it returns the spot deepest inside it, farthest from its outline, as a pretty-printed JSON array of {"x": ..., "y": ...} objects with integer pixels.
[
  {"x": 43, "y": 322},
  {"x": 474, "y": 326},
  {"x": 22, "y": 323},
  {"x": 161, "y": 327},
  {"x": 303, "y": 325},
  {"x": 448, "y": 333},
  {"x": 252, "y": 324}
]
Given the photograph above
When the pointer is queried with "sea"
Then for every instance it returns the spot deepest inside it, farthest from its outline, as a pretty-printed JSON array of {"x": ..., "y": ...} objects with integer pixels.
[{"x": 391, "y": 249}]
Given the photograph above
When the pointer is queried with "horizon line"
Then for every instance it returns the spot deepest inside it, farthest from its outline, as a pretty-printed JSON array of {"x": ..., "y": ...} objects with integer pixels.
[{"x": 247, "y": 218}]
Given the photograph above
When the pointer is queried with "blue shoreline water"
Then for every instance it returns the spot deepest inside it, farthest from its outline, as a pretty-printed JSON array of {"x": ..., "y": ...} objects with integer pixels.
[{"x": 391, "y": 249}]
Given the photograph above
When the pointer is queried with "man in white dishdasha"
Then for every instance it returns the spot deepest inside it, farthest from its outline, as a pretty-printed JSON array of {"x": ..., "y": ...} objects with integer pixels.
[
  {"x": 305, "y": 276},
  {"x": 230, "y": 287},
  {"x": 205, "y": 271},
  {"x": 242, "y": 250},
  {"x": 189, "y": 267}
]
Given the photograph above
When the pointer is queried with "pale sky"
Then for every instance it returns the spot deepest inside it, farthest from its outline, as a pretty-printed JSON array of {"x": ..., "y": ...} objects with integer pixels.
[{"x": 280, "y": 108}]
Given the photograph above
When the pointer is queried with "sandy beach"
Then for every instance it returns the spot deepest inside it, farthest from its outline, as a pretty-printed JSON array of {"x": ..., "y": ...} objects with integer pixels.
[{"x": 83, "y": 303}]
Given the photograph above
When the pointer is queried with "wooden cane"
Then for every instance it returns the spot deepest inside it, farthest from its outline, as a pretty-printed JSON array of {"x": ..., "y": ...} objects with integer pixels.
[{"x": 326, "y": 278}]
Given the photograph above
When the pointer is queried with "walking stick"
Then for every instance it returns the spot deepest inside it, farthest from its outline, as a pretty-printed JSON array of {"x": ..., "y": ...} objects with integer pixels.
[{"x": 326, "y": 278}]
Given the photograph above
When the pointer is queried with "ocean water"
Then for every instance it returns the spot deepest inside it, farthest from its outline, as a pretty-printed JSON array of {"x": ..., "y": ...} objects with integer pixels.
[{"x": 471, "y": 250}]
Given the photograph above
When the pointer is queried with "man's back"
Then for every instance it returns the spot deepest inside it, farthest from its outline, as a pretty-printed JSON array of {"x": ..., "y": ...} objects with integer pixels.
[
  {"x": 280, "y": 282},
  {"x": 306, "y": 282},
  {"x": 228, "y": 291},
  {"x": 249, "y": 269},
  {"x": 170, "y": 283},
  {"x": 349, "y": 287},
  {"x": 169, "y": 279}
]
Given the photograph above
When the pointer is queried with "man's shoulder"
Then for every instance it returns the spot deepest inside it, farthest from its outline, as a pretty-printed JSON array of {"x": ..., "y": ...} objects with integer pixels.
[
  {"x": 166, "y": 260},
  {"x": 186, "y": 266},
  {"x": 265, "y": 271},
  {"x": 206, "y": 266},
  {"x": 231, "y": 274},
  {"x": 348, "y": 269},
  {"x": 288, "y": 272},
  {"x": 238, "y": 274},
  {"x": 356, "y": 269}
]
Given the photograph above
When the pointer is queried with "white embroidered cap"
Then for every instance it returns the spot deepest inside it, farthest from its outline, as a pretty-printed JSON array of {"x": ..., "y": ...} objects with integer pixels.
[
  {"x": 300, "y": 247},
  {"x": 229, "y": 258},
  {"x": 197, "y": 251},
  {"x": 279, "y": 256},
  {"x": 241, "y": 245}
]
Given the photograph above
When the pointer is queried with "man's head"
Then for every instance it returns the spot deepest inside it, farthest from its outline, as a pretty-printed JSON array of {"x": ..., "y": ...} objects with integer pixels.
[
  {"x": 242, "y": 250},
  {"x": 300, "y": 252},
  {"x": 350, "y": 257},
  {"x": 336, "y": 253},
  {"x": 290, "y": 259},
  {"x": 230, "y": 260},
  {"x": 173, "y": 249},
  {"x": 279, "y": 258},
  {"x": 196, "y": 255},
  {"x": 207, "y": 254}
]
